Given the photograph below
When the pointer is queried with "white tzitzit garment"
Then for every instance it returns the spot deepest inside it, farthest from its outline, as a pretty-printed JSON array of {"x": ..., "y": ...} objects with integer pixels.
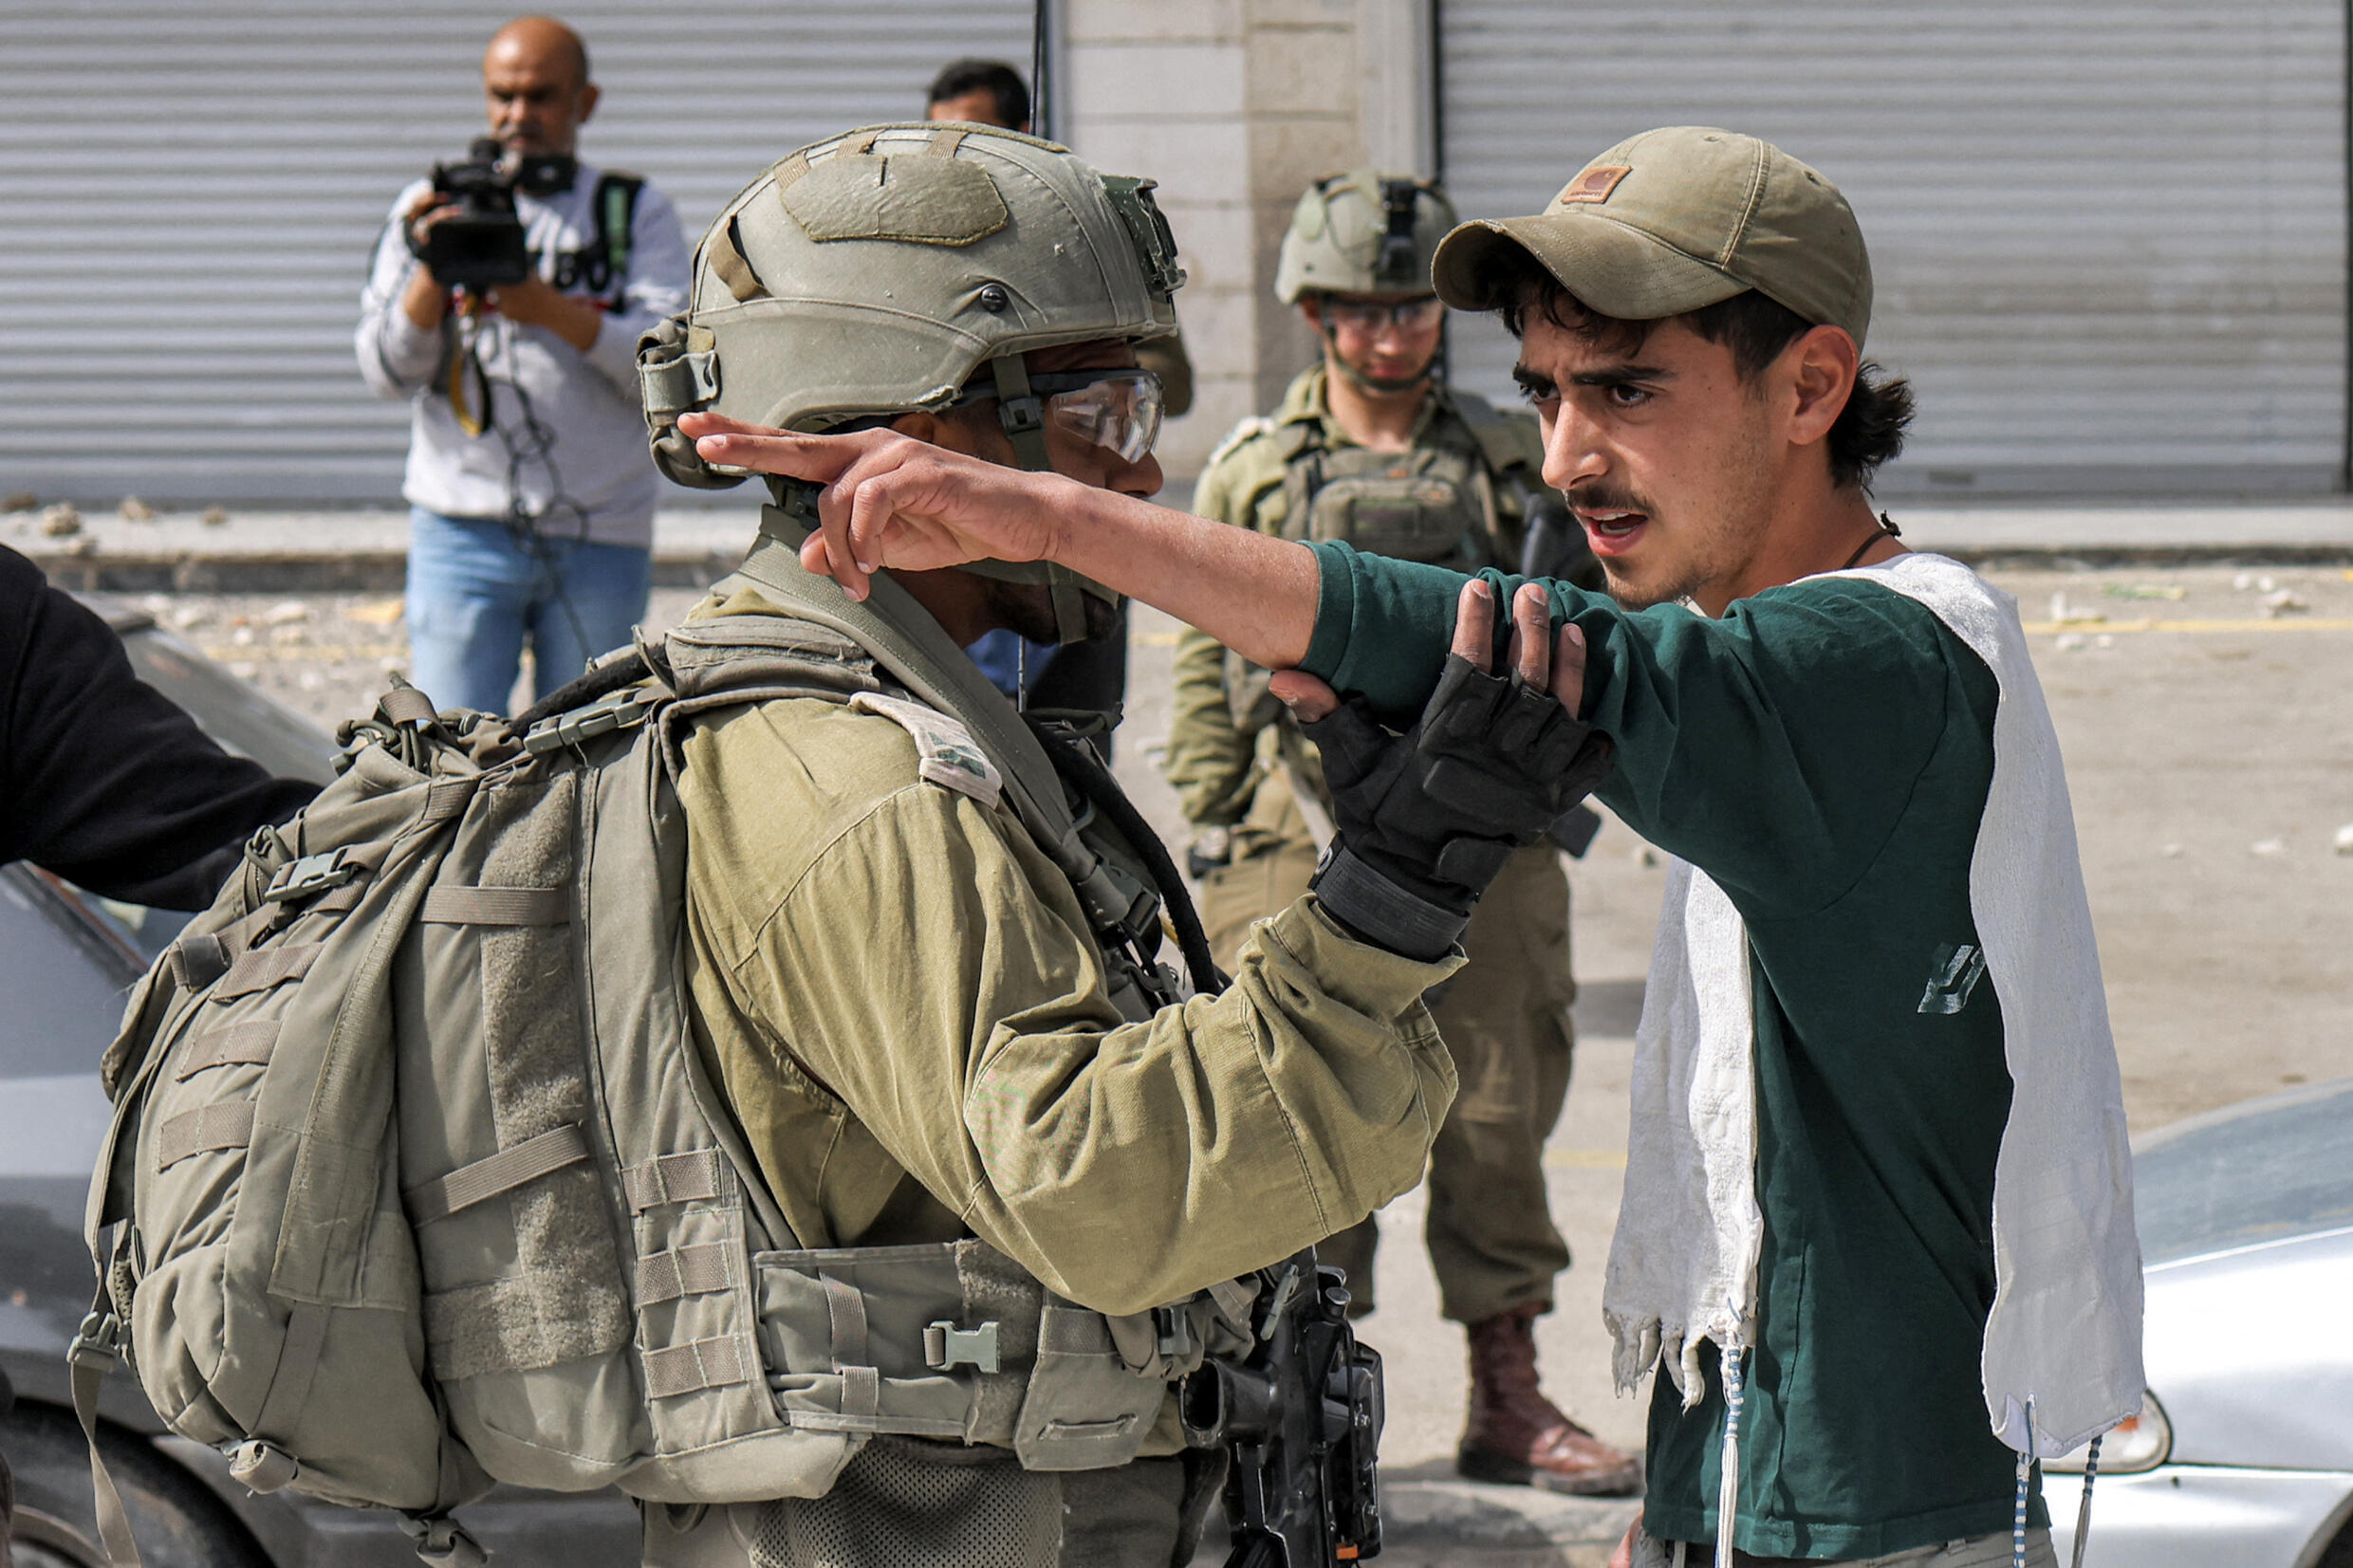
[{"x": 2065, "y": 1332}]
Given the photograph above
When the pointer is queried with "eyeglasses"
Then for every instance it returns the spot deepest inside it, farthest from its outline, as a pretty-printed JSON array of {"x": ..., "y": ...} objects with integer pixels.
[
  {"x": 1118, "y": 409},
  {"x": 1370, "y": 315}
]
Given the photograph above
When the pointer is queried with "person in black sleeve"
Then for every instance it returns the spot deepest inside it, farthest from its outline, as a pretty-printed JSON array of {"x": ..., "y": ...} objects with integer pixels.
[{"x": 104, "y": 780}]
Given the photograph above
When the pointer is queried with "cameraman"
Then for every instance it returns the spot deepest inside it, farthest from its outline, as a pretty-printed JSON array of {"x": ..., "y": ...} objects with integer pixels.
[{"x": 531, "y": 502}]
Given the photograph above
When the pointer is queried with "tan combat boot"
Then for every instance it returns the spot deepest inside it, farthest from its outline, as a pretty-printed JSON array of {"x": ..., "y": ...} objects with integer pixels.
[{"x": 1518, "y": 1437}]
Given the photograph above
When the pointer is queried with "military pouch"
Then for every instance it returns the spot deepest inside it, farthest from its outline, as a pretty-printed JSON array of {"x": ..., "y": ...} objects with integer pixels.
[
  {"x": 1086, "y": 1408},
  {"x": 1424, "y": 517}
]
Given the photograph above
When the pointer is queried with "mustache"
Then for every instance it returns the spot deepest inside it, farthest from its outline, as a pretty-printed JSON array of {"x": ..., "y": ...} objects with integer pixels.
[{"x": 1602, "y": 496}]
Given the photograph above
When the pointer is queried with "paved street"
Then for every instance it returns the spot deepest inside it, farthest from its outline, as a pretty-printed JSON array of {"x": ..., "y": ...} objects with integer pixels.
[{"x": 2208, "y": 726}]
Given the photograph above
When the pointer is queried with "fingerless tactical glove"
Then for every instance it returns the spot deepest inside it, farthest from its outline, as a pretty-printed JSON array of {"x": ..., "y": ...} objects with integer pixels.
[{"x": 1427, "y": 818}]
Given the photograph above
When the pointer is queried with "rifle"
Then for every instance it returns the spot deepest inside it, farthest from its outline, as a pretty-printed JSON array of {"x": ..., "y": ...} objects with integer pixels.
[{"x": 1300, "y": 1414}]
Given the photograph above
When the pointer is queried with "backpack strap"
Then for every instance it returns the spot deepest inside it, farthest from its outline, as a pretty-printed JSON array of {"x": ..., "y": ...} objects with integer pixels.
[{"x": 613, "y": 211}]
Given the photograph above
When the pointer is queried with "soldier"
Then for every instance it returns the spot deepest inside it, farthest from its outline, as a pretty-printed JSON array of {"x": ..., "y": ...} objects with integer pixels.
[
  {"x": 934, "y": 1012},
  {"x": 1371, "y": 448},
  {"x": 1090, "y": 676}
]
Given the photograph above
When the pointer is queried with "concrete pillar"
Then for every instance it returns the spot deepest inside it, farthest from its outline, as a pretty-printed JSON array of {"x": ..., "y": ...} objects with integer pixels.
[{"x": 1234, "y": 106}]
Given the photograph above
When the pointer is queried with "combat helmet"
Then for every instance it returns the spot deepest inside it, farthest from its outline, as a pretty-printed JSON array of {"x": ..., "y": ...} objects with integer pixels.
[
  {"x": 892, "y": 268},
  {"x": 1366, "y": 232}
]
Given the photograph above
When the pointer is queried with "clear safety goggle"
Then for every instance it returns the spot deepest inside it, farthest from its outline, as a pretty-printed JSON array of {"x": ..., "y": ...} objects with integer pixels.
[
  {"x": 1118, "y": 409},
  {"x": 1369, "y": 315}
]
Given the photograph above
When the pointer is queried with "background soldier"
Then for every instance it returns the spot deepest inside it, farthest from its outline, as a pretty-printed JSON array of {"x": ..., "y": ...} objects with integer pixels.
[
  {"x": 931, "y": 1024},
  {"x": 1368, "y": 447}
]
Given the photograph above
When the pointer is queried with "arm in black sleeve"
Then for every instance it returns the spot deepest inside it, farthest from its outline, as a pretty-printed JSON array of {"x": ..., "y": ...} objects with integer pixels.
[{"x": 104, "y": 780}]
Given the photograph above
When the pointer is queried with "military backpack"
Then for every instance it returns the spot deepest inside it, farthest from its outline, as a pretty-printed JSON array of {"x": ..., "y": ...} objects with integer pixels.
[{"x": 418, "y": 1180}]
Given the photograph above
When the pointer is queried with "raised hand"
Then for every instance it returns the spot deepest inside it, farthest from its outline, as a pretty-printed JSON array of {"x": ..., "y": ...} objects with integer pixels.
[
  {"x": 1428, "y": 819},
  {"x": 1562, "y": 674},
  {"x": 890, "y": 500}
]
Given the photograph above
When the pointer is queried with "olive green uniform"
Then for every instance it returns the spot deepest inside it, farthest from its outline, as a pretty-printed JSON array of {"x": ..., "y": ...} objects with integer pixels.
[
  {"x": 1456, "y": 497},
  {"x": 912, "y": 1022}
]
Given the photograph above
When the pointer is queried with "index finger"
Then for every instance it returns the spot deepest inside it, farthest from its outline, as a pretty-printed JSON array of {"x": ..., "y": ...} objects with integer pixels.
[
  {"x": 733, "y": 444},
  {"x": 1532, "y": 639},
  {"x": 1474, "y": 623}
]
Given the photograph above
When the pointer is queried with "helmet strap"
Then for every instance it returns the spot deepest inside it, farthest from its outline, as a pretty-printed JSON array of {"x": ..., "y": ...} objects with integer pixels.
[
  {"x": 1021, "y": 413},
  {"x": 1380, "y": 386}
]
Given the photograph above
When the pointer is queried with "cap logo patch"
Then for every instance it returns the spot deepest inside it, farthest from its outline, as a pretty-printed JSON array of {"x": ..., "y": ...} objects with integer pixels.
[{"x": 1594, "y": 185}]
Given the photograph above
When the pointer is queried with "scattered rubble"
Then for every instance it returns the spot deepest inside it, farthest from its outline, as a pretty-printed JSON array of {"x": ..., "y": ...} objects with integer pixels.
[
  {"x": 2073, "y": 614},
  {"x": 190, "y": 616},
  {"x": 288, "y": 613},
  {"x": 135, "y": 510},
  {"x": 214, "y": 516},
  {"x": 2268, "y": 846},
  {"x": 382, "y": 613},
  {"x": 2345, "y": 839},
  {"x": 20, "y": 501},
  {"x": 61, "y": 522},
  {"x": 2283, "y": 601},
  {"x": 2073, "y": 641},
  {"x": 2144, "y": 590}
]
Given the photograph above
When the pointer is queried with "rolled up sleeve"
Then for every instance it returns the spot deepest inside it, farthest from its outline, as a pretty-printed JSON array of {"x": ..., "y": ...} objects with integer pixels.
[{"x": 396, "y": 359}]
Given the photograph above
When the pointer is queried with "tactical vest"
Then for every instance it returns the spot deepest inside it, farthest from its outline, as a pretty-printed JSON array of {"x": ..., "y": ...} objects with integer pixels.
[
  {"x": 1455, "y": 502},
  {"x": 418, "y": 1179}
]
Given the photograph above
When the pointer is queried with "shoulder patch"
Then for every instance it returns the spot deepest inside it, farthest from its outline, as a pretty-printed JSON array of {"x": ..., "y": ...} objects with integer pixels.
[
  {"x": 950, "y": 757},
  {"x": 1251, "y": 429}
]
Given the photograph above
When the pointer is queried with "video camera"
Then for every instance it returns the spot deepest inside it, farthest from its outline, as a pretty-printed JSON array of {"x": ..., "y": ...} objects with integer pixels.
[{"x": 480, "y": 245}]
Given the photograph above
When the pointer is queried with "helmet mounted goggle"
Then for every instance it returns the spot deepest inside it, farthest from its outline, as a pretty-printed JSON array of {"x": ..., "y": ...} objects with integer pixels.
[{"x": 1115, "y": 408}]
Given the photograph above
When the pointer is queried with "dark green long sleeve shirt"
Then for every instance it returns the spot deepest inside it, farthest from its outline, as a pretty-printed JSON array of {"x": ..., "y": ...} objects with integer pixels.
[{"x": 1823, "y": 753}]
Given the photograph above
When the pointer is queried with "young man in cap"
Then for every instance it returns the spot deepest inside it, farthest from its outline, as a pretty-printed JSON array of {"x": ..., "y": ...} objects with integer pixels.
[
  {"x": 1878, "y": 1227},
  {"x": 1371, "y": 446}
]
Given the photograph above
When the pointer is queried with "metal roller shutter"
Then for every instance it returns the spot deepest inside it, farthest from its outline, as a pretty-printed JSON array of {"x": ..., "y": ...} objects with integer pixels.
[
  {"x": 2110, "y": 240},
  {"x": 188, "y": 196}
]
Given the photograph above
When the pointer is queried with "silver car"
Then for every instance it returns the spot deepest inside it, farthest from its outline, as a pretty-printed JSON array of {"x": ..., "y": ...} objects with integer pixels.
[{"x": 2243, "y": 1456}]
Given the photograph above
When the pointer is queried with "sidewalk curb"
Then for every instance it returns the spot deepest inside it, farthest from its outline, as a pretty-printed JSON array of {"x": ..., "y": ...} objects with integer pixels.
[
  {"x": 349, "y": 571},
  {"x": 384, "y": 571}
]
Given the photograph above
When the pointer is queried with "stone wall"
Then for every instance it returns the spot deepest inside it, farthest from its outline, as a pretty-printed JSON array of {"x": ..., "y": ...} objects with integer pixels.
[{"x": 1234, "y": 106}]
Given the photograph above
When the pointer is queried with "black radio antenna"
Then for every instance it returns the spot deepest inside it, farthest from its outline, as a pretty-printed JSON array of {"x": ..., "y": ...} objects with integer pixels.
[{"x": 1041, "y": 74}]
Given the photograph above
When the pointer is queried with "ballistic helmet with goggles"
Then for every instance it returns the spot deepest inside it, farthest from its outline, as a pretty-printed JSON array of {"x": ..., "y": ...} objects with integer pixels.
[
  {"x": 904, "y": 267},
  {"x": 1363, "y": 232}
]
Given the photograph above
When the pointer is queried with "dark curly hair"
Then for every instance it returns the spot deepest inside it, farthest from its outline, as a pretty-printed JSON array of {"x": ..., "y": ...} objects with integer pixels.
[{"x": 1869, "y": 429}]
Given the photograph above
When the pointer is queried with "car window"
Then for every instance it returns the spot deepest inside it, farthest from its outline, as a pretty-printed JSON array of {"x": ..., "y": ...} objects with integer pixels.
[
  {"x": 64, "y": 984},
  {"x": 2278, "y": 1167}
]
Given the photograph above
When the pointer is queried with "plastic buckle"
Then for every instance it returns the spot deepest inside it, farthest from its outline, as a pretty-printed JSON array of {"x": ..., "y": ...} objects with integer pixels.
[
  {"x": 1175, "y": 1332},
  {"x": 1020, "y": 415},
  {"x": 946, "y": 1345},
  {"x": 311, "y": 873},
  {"x": 98, "y": 1341},
  {"x": 623, "y": 709}
]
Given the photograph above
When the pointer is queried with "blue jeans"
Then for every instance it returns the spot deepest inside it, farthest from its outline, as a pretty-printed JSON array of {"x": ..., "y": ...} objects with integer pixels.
[{"x": 476, "y": 591}]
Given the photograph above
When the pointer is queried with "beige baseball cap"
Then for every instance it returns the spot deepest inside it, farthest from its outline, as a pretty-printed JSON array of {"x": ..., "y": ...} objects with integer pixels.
[{"x": 1674, "y": 219}]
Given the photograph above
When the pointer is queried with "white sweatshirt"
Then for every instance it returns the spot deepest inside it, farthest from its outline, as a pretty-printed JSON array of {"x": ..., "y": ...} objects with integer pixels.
[{"x": 594, "y": 479}]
